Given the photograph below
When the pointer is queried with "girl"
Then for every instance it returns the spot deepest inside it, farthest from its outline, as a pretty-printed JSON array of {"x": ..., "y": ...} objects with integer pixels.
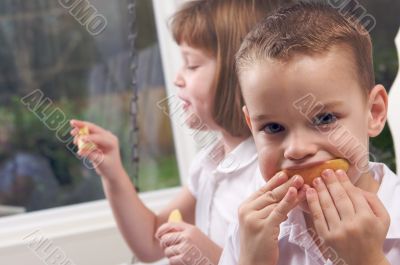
[{"x": 208, "y": 33}]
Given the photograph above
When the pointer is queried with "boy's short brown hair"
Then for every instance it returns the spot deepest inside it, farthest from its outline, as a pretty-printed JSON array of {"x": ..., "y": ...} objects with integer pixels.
[
  {"x": 218, "y": 27},
  {"x": 309, "y": 28}
]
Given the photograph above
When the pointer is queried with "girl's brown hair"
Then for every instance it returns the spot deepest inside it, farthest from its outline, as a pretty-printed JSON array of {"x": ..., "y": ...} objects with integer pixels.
[{"x": 218, "y": 27}]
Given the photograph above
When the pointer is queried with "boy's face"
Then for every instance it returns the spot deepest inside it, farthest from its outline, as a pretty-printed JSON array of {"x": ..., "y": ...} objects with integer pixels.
[{"x": 311, "y": 109}]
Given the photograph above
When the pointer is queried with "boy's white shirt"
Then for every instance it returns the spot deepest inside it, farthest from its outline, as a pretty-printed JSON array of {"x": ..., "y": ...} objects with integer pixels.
[
  {"x": 295, "y": 244},
  {"x": 218, "y": 185}
]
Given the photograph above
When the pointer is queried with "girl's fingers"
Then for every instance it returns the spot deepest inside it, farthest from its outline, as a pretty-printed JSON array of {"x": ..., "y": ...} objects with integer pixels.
[
  {"x": 170, "y": 239},
  {"x": 316, "y": 211},
  {"x": 177, "y": 260},
  {"x": 93, "y": 128},
  {"x": 174, "y": 250},
  {"x": 340, "y": 197},
  {"x": 100, "y": 140},
  {"x": 276, "y": 194},
  {"x": 74, "y": 131},
  {"x": 76, "y": 139},
  {"x": 96, "y": 157},
  {"x": 328, "y": 207},
  {"x": 167, "y": 228},
  {"x": 360, "y": 203}
]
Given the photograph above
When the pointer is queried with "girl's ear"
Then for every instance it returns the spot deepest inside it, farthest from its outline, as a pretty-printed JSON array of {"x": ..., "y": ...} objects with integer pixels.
[
  {"x": 377, "y": 108},
  {"x": 247, "y": 117}
]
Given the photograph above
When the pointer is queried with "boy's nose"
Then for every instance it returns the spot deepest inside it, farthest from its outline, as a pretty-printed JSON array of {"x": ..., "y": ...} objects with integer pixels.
[
  {"x": 300, "y": 147},
  {"x": 179, "y": 82}
]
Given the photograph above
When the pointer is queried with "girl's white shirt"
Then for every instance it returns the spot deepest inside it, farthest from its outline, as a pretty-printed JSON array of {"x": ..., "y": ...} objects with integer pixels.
[{"x": 220, "y": 184}]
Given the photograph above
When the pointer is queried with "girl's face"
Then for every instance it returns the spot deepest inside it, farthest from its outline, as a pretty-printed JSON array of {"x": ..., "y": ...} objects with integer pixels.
[{"x": 195, "y": 81}]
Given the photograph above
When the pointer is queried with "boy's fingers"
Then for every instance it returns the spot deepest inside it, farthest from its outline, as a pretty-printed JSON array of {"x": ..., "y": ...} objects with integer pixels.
[
  {"x": 339, "y": 195},
  {"x": 376, "y": 205},
  {"x": 280, "y": 212},
  {"x": 316, "y": 211},
  {"x": 359, "y": 201},
  {"x": 266, "y": 211},
  {"x": 328, "y": 207},
  {"x": 276, "y": 195},
  {"x": 278, "y": 179}
]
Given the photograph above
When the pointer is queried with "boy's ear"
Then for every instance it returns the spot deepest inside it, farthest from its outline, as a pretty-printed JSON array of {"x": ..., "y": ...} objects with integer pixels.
[
  {"x": 246, "y": 116},
  {"x": 377, "y": 108}
]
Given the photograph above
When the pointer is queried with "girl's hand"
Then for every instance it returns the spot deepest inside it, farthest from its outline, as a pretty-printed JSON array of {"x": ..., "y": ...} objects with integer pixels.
[
  {"x": 261, "y": 215},
  {"x": 186, "y": 244},
  {"x": 105, "y": 157},
  {"x": 352, "y": 223}
]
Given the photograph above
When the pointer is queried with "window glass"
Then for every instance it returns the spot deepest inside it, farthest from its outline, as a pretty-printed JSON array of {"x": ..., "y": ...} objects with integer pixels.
[{"x": 71, "y": 59}]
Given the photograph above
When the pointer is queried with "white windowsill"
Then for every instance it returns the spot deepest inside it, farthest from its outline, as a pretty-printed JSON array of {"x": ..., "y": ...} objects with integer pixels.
[{"x": 81, "y": 231}]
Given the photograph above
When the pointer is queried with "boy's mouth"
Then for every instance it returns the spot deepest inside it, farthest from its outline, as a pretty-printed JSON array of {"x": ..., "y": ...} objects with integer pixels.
[{"x": 313, "y": 170}]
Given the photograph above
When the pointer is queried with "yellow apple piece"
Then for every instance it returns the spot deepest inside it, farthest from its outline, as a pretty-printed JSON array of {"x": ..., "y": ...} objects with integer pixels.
[
  {"x": 175, "y": 216},
  {"x": 84, "y": 146},
  {"x": 310, "y": 173}
]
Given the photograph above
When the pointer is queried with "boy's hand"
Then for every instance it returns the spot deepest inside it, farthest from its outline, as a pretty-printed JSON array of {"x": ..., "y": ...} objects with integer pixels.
[
  {"x": 261, "y": 215},
  {"x": 186, "y": 244},
  {"x": 351, "y": 222},
  {"x": 105, "y": 156}
]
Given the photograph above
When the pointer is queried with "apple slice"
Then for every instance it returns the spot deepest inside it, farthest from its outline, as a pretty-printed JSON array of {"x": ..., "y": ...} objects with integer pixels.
[
  {"x": 310, "y": 173},
  {"x": 175, "y": 216},
  {"x": 84, "y": 146}
]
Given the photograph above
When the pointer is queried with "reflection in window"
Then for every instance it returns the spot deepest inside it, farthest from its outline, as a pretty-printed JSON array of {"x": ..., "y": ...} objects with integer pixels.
[{"x": 43, "y": 47}]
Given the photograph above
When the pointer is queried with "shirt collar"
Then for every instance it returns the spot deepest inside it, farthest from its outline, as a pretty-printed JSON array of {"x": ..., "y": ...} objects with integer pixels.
[{"x": 241, "y": 157}]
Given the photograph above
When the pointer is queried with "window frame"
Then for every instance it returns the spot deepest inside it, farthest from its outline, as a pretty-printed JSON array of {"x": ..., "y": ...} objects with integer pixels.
[
  {"x": 394, "y": 109},
  {"x": 80, "y": 229}
]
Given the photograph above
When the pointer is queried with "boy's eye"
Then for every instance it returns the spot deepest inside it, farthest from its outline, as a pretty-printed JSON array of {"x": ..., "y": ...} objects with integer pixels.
[
  {"x": 325, "y": 118},
  {"x": 273, "y": 128}
]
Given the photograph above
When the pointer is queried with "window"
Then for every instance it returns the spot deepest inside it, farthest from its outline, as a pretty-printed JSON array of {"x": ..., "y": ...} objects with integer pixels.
[
  {"x": 386, "y": 64},
  {"x": 73, "y": 59}
]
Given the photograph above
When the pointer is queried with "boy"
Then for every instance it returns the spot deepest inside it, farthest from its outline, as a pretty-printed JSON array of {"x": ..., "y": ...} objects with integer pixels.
[{"x": 307, "y": 78}]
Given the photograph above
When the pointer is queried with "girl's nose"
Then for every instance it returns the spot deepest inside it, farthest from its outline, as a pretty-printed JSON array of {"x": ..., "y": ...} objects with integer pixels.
[
  {"x": 300, "y": 147},
  {"x": 179, "y": 82}
]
